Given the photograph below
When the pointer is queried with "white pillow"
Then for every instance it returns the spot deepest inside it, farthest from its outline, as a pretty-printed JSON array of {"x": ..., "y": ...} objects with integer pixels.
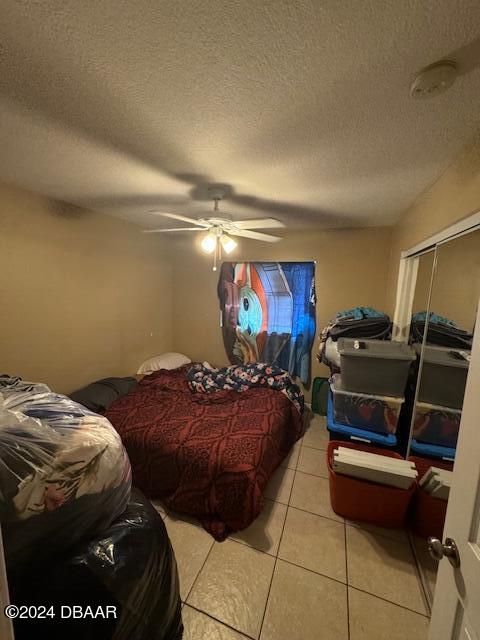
[{"x": 163, "y": 361}]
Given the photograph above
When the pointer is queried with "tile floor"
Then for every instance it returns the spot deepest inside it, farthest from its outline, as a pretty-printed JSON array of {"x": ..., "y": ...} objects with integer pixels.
[{"x": 299, "y": 572}]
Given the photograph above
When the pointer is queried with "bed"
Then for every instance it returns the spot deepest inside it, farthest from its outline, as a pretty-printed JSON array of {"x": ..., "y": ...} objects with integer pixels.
[{"x": 205, "y": 455}]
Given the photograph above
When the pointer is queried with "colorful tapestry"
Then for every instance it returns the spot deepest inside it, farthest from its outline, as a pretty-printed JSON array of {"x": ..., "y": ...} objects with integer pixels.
[{"x": 268, "y": 313}]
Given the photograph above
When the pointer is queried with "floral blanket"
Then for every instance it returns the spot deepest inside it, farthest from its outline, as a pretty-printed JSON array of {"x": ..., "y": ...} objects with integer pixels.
[
  {"x": 207, "y": 455},
  {"x": 240, "y": 378}
]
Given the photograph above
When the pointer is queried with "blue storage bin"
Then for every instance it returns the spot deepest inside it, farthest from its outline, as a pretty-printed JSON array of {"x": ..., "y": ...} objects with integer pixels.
[
  {"x": 343, "y": 431},
  {"x": 433, "y": 450}
]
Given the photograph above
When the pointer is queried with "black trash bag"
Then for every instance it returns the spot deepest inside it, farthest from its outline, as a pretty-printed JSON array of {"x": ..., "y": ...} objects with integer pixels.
[
  {"x": 64, "y": 473},
  {"x": 130, "y": 568}
]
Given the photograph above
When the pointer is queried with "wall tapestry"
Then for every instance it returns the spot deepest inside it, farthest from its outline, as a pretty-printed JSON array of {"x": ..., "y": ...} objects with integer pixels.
[{"x": 268, "y": 313}]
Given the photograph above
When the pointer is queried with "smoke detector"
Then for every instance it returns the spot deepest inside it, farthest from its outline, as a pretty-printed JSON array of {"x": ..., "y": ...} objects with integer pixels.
[{"x": 434, "y": 79}]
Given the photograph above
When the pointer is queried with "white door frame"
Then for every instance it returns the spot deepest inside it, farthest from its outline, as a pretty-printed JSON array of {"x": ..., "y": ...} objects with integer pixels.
[
  {"x": 456, "y": 605},
  {"x": 408, "y": 269},
  {"x": 407, "y": 278}
]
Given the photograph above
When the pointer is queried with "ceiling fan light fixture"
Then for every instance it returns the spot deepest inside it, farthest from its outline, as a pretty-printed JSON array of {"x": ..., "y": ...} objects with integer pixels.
[
  {"x": 209, "y": 243},
  {"x": 228, "y": 243}
]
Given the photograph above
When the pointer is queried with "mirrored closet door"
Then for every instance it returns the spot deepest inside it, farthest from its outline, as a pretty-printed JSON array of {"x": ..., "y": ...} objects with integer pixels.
[{"x": 443, "y": 315}]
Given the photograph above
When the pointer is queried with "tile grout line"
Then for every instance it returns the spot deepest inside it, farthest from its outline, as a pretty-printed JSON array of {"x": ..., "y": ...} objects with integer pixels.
[
  {"x": 309, "y": 446},
  {"x": 318, "y": 573},
  {"x": 225, "y": 624},
  {"x": 278, "y": 549},
  {"x": 395, "y": 604},
  {"x": 420, "y": 576},
  {"x": 314, "y": 514},
  {"x": 348, "y": 524},
  {"x": 347, "y": 585},
  {"x": 294, "y": 564},
  {"x": 346, "y": 576},
  {"x": 344, "y": 584},
  {"x": 199, "y": 572}
]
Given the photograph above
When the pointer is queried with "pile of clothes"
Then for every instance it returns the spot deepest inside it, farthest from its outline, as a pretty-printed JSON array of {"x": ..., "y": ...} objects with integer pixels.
[
  {"x": 359, "y": 322},
  {"x": 203, "y": 379},
  {"x": 68, "y": 519}
]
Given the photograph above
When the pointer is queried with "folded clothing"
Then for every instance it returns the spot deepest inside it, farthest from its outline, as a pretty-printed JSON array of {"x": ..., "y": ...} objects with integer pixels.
[
  {"x": 129, "y": 566},
  {"x": 99, "y": 395},
  {"x": 359, "y": 322},
  {"x": 63, "y": 471}
]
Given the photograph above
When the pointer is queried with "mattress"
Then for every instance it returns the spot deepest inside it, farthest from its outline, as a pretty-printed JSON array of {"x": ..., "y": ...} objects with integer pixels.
[{"x": 205, "y": 455}]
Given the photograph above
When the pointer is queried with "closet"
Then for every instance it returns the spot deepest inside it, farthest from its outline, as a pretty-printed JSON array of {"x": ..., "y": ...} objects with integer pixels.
[{"x": 444, "y": 307}]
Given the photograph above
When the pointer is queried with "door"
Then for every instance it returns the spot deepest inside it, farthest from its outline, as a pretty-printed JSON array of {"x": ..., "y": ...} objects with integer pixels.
[
  {"x": 6, "y": 630},
  {"x": 456, "y": 607}
]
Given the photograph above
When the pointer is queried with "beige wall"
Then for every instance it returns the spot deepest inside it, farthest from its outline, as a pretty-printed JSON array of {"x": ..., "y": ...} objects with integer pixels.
[
  {"x": 456, "y": 285},
  {"x": 83, "y": 295},
  {"x": 455, "y": 195},
  {"x": 351, "y": 270}
]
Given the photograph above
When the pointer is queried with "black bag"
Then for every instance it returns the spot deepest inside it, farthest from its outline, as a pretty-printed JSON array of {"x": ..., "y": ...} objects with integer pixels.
[
  {"x": 130, "y": 566},
  {"x": 374, "y": 328},
  {"x": 442, "y": 335}
]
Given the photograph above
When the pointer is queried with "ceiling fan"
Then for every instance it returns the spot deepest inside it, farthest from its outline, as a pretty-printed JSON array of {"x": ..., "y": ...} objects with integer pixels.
[{"x": 219, "y": 230}]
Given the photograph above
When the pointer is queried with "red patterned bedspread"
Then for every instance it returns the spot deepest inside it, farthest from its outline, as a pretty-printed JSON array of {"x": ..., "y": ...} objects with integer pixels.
[{"x": 206, "y": 455}]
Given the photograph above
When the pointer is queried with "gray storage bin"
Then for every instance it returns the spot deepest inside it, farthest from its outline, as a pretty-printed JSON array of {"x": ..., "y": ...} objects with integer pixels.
[
  {"x": 443, "y": 376},
  {"x": 381, "y": 368}
]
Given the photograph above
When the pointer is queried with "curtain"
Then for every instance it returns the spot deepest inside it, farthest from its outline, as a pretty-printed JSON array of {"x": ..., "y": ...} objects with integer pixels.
[{"x": 268, "y": 313}]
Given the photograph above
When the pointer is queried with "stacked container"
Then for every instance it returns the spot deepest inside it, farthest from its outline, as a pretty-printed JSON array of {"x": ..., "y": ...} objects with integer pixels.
[
  {"x": 367, "y": 501},
  {"x": 368, "y": 395},
  {"x": 439, "y": 403}
]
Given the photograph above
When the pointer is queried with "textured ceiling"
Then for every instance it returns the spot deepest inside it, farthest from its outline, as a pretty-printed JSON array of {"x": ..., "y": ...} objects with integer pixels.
[{"x": 302, "y": 108}]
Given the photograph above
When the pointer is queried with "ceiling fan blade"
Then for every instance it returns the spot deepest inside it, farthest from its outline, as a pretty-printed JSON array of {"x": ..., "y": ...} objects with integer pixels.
[
  {"x": 254, "y": 235},
  {"x": 259, "y": 223},
  {"x": 175, "y": 216},
  {"x": 170, "y": 230}
]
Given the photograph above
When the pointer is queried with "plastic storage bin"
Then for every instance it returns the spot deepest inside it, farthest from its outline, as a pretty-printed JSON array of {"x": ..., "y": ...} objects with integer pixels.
[
  {"x": 427, "y": 515},
  {"x": 443, "y": 376},
  {"x": 367, "y": 501},
  {"x": 320, "y": 390},
  {"x": 367, "y": 411},
  {"x": 381, "y": 368},
  {"x": 433, "y": 450},
  {"x": 355, "y": 434},
  {"x": 436, "y": 424}
]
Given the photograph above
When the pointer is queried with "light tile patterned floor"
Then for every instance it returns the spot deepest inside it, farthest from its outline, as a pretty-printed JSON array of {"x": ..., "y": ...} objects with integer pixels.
[{"x": 299, "y": 572}]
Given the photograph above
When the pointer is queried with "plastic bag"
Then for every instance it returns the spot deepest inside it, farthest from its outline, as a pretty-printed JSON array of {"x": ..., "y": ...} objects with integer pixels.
[
  {"x": 64, "y": 474},
  {"x": 130, "y": 566}
]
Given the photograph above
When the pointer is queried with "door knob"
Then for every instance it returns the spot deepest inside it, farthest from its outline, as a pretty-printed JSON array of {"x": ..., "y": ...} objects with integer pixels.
[{"x": 448, "y": 550}]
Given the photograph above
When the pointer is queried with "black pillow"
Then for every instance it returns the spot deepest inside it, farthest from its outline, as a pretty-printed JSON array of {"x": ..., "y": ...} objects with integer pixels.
[{"x": 99, "y": 395}]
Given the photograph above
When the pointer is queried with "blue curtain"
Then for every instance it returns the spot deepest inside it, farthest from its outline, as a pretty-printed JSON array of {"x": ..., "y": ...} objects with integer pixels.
[{"x": 268, "y": 313}]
